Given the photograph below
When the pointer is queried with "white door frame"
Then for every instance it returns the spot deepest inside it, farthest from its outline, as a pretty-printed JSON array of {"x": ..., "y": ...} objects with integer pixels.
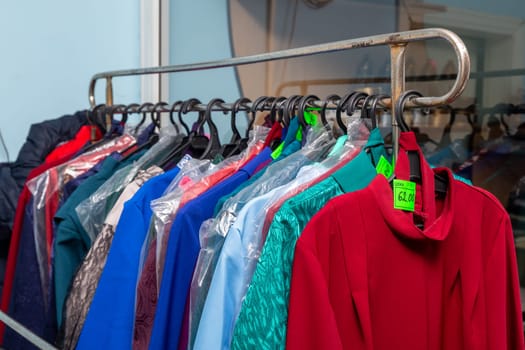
[{"x": 154, "y": 48}]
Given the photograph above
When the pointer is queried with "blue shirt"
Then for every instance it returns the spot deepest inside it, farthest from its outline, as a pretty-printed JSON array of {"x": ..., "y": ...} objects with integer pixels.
[
  {"x": 181, "y": 255},
  {"x": 109, "y": 323}
]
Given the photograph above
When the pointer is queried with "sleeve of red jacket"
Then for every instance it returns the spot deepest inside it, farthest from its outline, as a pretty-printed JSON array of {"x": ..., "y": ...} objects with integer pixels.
[
  {"x": 505, "y": 326},
  {"x": 311, "y": 321}
]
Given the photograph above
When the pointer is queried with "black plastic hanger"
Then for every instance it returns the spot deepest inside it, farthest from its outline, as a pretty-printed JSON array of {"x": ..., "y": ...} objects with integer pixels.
[
  {"x": 194, "y": 141},
  {"x": 185, "y": 109},
  {"x": 143, "y": 109},
  {"x": 289, "y": 109},
  {"x": 340, "y": 106},
  {"x": 241, "y": 102},
  {"x": 97, "y": 117},
  {"x": 373, "y": 108},
  {"x": 125, "y": 112},
  {"x": 236, "y": 144},
  {"x": 365, "y": 110},
  {"x": 371, "y": 113},
  {"x": 156, "y": 111},
  {"x": 322, "y": 113},
  {"x": 255, "y": 105},
  {"x": 214, "y": 145},
  {"x": 353, "y": 103},
  {"x": 131, "y": 108},
  {"x": 440, "y": 183},
  {"x": 172, "y": 110},
  {"x": 92, "y": 117},
  {"x": 118, "y": 109},
  {"x": 303, "y": 104},
  {"x": 276, "y": 108}
]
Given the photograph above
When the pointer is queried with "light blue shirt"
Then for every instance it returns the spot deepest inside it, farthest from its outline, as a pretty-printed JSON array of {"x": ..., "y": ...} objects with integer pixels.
[{"x": 217, "y": 318}]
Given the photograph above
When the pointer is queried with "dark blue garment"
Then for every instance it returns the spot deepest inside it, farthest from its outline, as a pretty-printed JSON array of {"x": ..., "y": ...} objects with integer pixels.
[
  {"x": 41, "y": 140},
  {"x": 109, "y": 323},
  {"x": 145, "y": 134},
  {"x": 181, "y": 255},
  {"x": 27, "y": 302}
]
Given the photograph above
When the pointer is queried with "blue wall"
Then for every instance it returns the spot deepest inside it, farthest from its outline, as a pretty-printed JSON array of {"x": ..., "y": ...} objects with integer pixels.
[
  {"x": 49, "y": 51},
  {"x": 199, "y": 31}
]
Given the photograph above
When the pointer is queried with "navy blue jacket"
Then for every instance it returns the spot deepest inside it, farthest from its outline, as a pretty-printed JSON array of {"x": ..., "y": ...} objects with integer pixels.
[{"x": 42, "y": 139}]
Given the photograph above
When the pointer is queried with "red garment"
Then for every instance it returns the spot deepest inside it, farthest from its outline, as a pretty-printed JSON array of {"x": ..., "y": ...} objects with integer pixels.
[
  {"x": 276, "y": 132},
  {"x": 71, "y": 147},
  {"x": 365, "y": 277},
  {"x": 23, "y": 200}
]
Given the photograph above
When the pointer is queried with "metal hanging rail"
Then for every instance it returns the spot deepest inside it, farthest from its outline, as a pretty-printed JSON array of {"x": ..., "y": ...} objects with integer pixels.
[
  {"x": 25, "y": 333},
  {"x": 397, "y": 42}
]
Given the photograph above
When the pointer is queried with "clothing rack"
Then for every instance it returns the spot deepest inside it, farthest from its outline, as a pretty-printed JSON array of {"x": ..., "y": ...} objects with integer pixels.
[{"x": 397, "y": 41}]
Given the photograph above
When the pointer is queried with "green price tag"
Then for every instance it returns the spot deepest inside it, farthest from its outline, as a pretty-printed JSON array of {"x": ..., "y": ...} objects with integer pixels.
[
  {"x": 384, "y": 167},
  {"x": 404, "y": 195},
  {"x": 277, "y": 152},
  {"x": 310, "y": 118}
]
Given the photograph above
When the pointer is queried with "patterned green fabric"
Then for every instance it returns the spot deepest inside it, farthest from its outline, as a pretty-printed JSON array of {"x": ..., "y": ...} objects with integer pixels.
[{"x": 264, "y": 313}]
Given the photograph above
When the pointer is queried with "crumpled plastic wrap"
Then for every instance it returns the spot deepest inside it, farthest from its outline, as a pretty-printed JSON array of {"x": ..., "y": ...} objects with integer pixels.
[
  {"x": 358, "y": 134},
  {"x": 253, "y": 239},
  {"x": 92, "y": 211},
  {"x": 165, "y": 208},
  {"x": 213, "y": 231},
  {"x": 46, "y": 188},
  {"x": 191, "y": 171}
]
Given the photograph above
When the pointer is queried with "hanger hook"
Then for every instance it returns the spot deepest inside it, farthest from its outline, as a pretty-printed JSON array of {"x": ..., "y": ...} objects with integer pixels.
[
  {"x": 365, "y": 110},
  {"x": 273, "y": 108},
  {"x": 97, "y": 115},
  {"x": 156, "y": 112},
  {"x": 131, "y": 108},
  {"x": 142, "y": 109},
  {"x": 340, "y": 105},
  {"x": 241, "y": 102},
  {"x": 172, "y": 110},
  {"x": 303, "y": 104},
  {"x": 289, "y": 108},
  {"x": 214, "y": 143},
  {"x": 253, "y": 110},
  {"x": 373, "y": 107},
  {"x": 185, "y": 108},
  {"x": 330, "y": 98},
  {"x": 400, "y": 105},
  {"x": 117, "y": 109},
  {"x": 353, "y": 102}
]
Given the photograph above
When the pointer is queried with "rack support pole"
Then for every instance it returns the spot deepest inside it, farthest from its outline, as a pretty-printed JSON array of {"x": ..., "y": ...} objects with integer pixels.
[
  {"x": 109, "y": 101},
  {"x": 397, "y": 71}
]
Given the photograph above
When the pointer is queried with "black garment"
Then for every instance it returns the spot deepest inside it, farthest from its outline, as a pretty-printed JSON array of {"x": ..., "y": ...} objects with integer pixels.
[{"x": 42, "y": 139}]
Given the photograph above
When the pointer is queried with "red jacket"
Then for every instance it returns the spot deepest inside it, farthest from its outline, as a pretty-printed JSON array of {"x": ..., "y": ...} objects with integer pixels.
[{"x": 365, "y": 277}]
